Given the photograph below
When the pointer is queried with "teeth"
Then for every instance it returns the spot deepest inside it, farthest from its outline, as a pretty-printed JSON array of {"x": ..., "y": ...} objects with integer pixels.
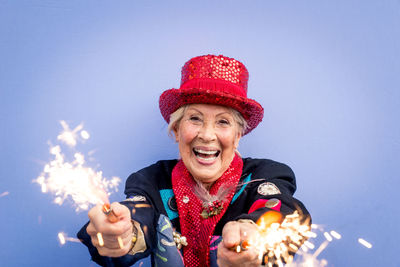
[
  {"x": 207, "y": 152},
  {"x": 207, "y": 159}
]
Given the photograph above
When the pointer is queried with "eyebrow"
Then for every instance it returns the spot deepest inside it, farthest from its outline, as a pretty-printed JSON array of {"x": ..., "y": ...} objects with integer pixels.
[{"x": 219, "y": 114}]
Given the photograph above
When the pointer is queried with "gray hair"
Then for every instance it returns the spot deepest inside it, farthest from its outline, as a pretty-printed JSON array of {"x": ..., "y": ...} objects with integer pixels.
[{"x": 176, "y": 117}]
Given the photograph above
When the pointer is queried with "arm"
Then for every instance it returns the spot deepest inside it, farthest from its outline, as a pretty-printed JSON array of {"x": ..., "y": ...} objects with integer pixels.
[
  {"x": 271, "y": 189},
  {"x": 136, "y": 219},
  {"x": 116, "y": 239}
]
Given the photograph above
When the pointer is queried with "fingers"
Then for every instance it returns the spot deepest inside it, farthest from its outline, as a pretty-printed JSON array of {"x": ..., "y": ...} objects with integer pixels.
[
  {"x": 117, "y": 241},
  {"x": 231, "y": 234},
  {"x": 110, "y": 252},
  {"x": 110, "y": 243},
  {"x": 115, "y": 238},
  {"x": 96, "y": 214},
  {"x": 234, "y": 233},
  {"x": 100, "y": 223},
  {"x": 120, "y": 210},
  {"x": 228, "y": 257},
  {"x": 90, "y": 229}
]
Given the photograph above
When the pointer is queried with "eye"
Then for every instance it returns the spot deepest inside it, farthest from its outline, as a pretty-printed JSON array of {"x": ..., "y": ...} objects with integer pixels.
[
  {"x": 223, "y": 122},
  {"x": 194, "y": 118}
]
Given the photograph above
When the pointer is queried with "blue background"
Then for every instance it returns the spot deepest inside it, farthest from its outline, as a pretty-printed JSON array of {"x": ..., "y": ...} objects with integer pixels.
[{"x": 326, "y": 72}]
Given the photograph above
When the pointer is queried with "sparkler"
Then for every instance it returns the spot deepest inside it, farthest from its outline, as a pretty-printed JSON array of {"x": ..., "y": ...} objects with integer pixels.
[
  {"x": 107, "y": 210},
  {"x": 279, "y": 239},
  {"x": 73, "y": 179}
]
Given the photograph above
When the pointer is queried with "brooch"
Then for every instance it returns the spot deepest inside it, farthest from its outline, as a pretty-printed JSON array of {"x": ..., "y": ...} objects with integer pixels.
[
  {"x": 179, "y": 240},
  {"x": 211, "y": 209}
]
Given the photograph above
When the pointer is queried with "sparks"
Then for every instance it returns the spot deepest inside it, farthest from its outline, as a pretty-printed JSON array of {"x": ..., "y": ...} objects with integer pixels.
[
  {"x": 142, "y": 206},
  {"x": 335, "y": 234},
  {"x": 238, "y": 249},
  {"x": 320, "y": 249},
  {"x": 309, "y": 245},
  {"x": 69, "y": 136},
  {"x": 328, "y": 236},
  {"x": 120, "y": 243},
  {"x": 85, "y": 135},
  {"x": 279, "y": 239},
  {"x": 100, "y": 239},
  {"x": 63, "y": 238},
  {"x": 364, "y": 243},
  {"x": 4, "y": 194},
  {"x": 278, "y": 242},
  {"x": 72, "y": 179}
]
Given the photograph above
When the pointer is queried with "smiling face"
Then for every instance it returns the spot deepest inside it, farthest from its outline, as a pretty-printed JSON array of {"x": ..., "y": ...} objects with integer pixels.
[{"x": 208, "y": 136}]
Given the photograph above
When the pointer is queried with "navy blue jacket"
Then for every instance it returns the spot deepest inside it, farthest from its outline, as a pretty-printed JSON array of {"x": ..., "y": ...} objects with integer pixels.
[{"x": 261, "y": 179}]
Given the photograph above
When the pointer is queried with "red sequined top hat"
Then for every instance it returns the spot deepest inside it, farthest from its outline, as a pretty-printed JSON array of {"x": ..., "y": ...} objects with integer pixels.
[{"x": 215, "y": 80}]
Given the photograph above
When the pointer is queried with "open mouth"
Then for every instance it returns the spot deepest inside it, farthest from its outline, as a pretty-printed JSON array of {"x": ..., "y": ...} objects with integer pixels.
[{"x": 207, "y": 155}]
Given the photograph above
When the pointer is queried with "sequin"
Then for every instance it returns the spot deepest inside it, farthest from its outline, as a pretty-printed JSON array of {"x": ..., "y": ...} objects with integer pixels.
[
  {"x": 213, "y": 79},
  {"x": 197, "y": 229}
]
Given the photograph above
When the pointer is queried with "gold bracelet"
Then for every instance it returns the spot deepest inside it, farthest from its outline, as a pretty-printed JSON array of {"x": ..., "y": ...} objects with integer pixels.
[
  {"x": 138, "y": 240},
  {"x": 134, "y": 234}
]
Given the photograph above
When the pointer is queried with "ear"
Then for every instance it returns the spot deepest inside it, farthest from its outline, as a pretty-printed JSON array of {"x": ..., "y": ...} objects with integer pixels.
[
  {"x": 176, "y": 132},
  {"x": 237, "y": 139}
]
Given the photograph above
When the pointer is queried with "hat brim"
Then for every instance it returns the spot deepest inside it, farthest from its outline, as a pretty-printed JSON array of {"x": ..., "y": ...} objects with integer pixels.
[{"x": 172, "y": 99}]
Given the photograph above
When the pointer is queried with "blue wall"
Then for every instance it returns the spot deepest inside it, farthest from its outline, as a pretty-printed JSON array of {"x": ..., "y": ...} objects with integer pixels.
[{"x": 327, "y": 73}]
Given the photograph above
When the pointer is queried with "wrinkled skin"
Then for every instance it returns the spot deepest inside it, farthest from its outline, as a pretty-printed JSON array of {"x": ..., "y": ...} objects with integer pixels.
[
  {"x": 205, "y": 128},
  {"x": 208, "y": 128},
  {"x": 232, "y": 234},
  {"x": 111, "y": 231}
]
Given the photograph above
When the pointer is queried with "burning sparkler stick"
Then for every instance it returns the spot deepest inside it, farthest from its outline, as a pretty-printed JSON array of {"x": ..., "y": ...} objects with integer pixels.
[
  {"x": 243, "y": 246},
  {"x": 108, "y": 211}
]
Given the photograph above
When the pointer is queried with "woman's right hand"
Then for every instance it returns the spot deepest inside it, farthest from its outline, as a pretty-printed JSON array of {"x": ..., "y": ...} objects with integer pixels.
[{"x": 117, "y": 236}]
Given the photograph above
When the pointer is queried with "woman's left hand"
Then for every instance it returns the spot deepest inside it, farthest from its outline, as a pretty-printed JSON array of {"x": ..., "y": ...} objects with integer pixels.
[{"x": 233, "y": 234}]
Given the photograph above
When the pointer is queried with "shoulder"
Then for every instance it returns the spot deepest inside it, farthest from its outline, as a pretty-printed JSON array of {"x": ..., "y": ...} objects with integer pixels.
[
  {"x": 265, "y": 167},
  {"x": 162, "y": 167},
  {"x": 157, "y": 174},
  {"x": 270, "y": 172}
]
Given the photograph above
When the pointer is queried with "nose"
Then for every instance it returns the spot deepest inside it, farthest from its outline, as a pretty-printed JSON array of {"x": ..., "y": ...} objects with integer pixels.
[{"x": 207, "y": 132}]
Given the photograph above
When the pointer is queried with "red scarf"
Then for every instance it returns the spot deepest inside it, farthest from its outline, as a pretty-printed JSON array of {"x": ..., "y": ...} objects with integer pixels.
[{"x": 194, "y": 227}]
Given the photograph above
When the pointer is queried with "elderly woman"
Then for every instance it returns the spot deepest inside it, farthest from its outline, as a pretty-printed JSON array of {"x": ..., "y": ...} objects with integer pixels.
[{"x": 197, "y": 210}]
